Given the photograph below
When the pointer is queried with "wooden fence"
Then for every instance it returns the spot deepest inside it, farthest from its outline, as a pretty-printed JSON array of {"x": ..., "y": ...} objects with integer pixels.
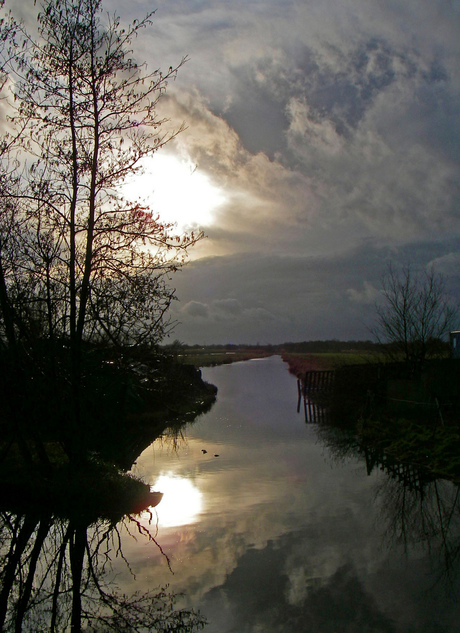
[
  {"x": 410, "y": 476},
  {"x": 318, "y": 381},
  {"x": 312, "y": 390}
]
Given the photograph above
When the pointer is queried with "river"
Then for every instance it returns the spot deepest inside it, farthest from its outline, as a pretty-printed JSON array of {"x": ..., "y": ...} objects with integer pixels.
[{"x": 266, "y": 527}]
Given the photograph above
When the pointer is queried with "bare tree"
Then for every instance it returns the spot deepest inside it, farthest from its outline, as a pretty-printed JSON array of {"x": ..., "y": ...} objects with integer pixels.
[
  {"x": 78, "y": 263},
  {"x": 416, "y": 314},
  {"x": 10, "y": 141},
  {"x": 91, "y": 110}
]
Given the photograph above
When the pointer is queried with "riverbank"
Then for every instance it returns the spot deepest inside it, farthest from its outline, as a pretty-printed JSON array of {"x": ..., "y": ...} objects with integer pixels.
[
  {"x": 426, "y": 444},
  {"x": 131, "y": 405},
  {"x": 98, "y": 490},
  {"x": 212, "y": 357},
  {"x": 432, "y": 447},
  {"x": 300, "y": 363},
  {"x": 416, "y": 420}
]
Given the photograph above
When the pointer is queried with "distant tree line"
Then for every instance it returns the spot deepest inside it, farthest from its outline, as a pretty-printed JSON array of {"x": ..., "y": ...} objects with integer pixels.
[
  {"x": 330, "y": 346},
  {"x": 414, "y": 316},
  {"x": 434, "y": 347}
]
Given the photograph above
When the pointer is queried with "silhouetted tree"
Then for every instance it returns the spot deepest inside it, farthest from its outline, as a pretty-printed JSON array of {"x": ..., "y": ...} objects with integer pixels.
[
  {"x": 415, "y": 314},
  {"x": 78, "y": 263},
  {"x": 94, "y": 260}
]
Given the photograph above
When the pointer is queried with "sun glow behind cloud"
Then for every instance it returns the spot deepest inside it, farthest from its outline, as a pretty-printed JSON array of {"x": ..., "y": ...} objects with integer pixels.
[
  {"x": 175, "y": 189},
  {"x": 335, "y": 143}
]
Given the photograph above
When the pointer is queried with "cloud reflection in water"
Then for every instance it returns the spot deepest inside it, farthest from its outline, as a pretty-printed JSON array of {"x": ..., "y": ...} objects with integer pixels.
[{"x": 290, "y": 537}]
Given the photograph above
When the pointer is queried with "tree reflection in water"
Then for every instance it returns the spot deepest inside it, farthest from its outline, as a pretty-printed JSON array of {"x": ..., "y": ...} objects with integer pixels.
[
  {"x": 418, "y": 510},
  {"x": 427, "y": 516},
  {"x": 55, "y": 576}
]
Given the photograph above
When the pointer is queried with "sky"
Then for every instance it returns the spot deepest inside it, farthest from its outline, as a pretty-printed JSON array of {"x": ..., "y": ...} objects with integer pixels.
[{"x": 322, "y": 143}]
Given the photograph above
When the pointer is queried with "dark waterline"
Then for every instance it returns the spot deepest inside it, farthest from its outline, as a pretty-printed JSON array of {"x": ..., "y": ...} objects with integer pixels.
[{"x": 272, "y": 530}]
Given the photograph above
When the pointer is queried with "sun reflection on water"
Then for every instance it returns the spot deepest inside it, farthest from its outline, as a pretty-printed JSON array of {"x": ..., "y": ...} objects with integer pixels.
[{"x": 182, "y": 501}]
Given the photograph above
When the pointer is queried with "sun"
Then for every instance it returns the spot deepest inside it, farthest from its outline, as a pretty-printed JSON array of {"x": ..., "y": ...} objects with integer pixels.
[
  {"x": 175, "y": 188},
  {"x": 182, "y": 502}
]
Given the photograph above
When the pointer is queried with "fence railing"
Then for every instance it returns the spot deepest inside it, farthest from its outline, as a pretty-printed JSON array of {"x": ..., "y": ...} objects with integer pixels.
[{"x": 315, "y": 385}]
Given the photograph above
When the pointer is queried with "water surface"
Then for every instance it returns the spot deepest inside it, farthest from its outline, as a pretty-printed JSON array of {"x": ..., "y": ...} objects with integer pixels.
[{"x": 267, "y": 528}]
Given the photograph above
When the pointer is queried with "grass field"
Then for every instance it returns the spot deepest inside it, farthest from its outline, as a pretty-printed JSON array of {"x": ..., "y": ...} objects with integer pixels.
[
  {"x": 207, "y": 357},
  {"x": 299, "y": 363}
]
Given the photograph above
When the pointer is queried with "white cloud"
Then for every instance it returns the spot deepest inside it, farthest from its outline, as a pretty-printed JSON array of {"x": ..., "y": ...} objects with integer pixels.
[
  {"x": 196, "y": 309},
  {"x": 304, "y": 128},
  {"x": 448, "y": 264},
  {"x": 228, "y": 307},
  {"x": 368, "y": 294}
]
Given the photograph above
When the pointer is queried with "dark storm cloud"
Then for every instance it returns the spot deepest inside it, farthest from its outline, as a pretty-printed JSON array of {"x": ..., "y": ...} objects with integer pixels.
[
  {"x": 339, "y": 84},
  {"x": 265, "y": 298},
  {"x": 341, "y": 92},
  {"x": 257, "y": 115},
  {"x": 345, "y": 93},
  {"x": 333, "y": 131},
  {"x": 278, "y": 298}
]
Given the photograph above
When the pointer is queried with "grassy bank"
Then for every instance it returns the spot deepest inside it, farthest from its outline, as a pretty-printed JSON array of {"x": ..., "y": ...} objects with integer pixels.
[
  {"x": 429, "y": 446},
  {"x": 123, "y": 408},
  {"x": 299, "y": 363},
  {"x": 413, "y": 418},
  {"x": 211, "y": 356},
  {"x": 98, "y": 490}
]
